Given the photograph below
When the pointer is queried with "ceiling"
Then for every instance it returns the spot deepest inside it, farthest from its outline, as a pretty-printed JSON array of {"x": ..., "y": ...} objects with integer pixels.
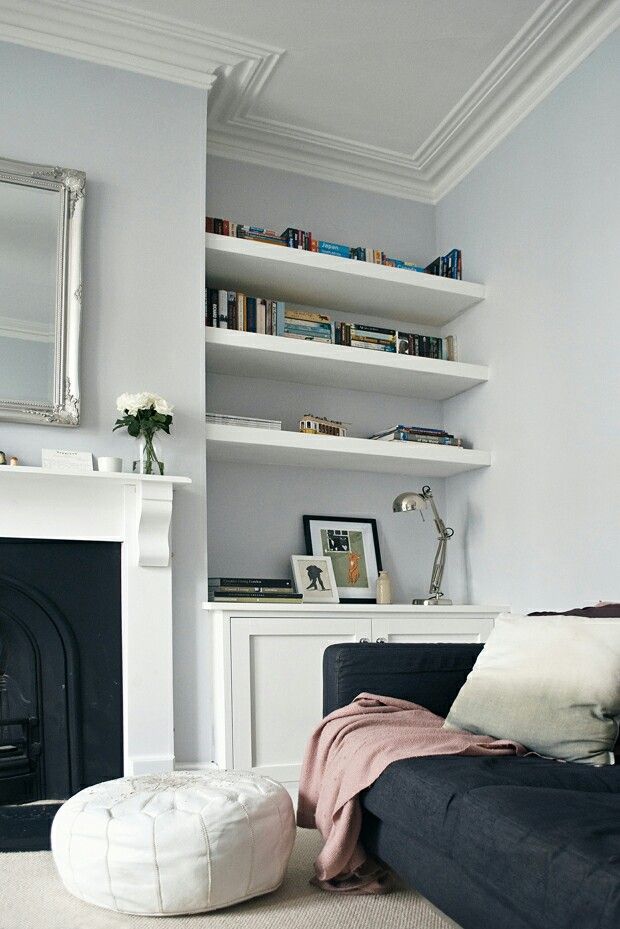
[{"x": 398, "y": 96}]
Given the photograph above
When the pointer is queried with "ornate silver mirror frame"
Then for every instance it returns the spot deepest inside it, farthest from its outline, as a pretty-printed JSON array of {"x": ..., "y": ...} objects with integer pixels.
[{"x": 64, "y": 406}]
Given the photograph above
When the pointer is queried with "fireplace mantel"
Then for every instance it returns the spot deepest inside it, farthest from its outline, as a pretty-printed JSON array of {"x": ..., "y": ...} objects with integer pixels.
[{"x": 134, "y": 510}]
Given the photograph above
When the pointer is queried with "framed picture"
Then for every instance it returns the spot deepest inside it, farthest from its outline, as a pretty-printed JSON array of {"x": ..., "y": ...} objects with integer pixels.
[
  {"x": 352, "y": 545},
  {"x": 314, "y": 578}
]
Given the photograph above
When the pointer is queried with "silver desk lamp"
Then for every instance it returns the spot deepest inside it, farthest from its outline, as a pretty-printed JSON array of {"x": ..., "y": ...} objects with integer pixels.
[{"x": 406, "y": 502}]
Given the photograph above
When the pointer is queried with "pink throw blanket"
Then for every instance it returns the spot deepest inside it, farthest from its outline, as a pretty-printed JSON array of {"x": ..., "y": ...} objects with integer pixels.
[{"x": 346, "y": 753}]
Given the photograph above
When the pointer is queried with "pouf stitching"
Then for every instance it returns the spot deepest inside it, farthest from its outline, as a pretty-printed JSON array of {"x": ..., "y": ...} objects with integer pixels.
[
  {"x": 205, "y": 833},
  {"x": 75, "y": 819},
  {"x": 250, "y": 827},
  {"x": 107, "y": 860},
  {"x": 157, "y": 872}
]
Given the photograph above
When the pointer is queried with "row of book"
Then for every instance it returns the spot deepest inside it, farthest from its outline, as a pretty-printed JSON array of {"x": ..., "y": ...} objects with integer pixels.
[
  {"x": 449, "y": 265},
  {"x": 227, "y": 309},
  {"x": 253, "y": 590},
  {"x": 424, "y": 434},
  {"x": 253, "y": 422}
]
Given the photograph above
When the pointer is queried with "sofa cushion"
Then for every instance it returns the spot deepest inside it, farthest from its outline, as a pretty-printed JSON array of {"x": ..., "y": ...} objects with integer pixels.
[
  {"x": 423, "y": 795},
  {"x": 553, "y": 686},
  {"x": 552, "y": 853}
]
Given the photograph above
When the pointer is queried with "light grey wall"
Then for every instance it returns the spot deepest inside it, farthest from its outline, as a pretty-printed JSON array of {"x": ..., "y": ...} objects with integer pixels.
[
  {"x": 255, "y": 513},
  {"x": 539, "y": 221},
  {"x": 141, "y": 143},
  {"x": 276, "y": 199}
]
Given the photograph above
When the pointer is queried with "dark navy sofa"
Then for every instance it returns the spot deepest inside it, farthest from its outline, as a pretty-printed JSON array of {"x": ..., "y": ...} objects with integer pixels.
[{"x": 495, "y": 843}]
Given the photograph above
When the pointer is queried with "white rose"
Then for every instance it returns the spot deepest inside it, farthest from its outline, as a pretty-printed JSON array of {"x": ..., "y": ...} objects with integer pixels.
[
  {"x": 128, "y": 402},
  {"x": 143, "y": 401}
]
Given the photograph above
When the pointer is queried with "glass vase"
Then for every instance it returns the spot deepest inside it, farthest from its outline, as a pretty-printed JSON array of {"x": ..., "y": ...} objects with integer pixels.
[{"x": 149, "y": 458}]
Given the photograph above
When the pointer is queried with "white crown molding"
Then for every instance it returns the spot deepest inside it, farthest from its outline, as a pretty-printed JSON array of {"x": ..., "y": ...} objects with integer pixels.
[
  {"x": 115, "y": 34},
  {"x": 551, "y": 44}
]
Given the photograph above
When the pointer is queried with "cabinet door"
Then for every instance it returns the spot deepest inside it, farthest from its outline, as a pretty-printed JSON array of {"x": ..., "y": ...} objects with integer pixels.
[
  {"x": 432, "y": 627},
  {"x": 277, "y": 686}
]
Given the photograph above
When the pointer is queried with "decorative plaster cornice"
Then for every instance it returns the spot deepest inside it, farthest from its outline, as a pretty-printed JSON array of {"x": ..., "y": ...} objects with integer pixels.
[
  {"x": 551, "y": 44},
  {"x": 111, "y": 33}
]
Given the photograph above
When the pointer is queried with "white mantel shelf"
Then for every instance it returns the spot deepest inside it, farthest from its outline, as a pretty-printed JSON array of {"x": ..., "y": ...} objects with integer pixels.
[
  {"x": 375, "y": 608},
  {"x": 126, "y": 477}
]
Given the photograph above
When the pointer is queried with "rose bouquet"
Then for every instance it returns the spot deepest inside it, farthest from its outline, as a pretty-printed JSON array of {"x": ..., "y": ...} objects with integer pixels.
[{"x": 144, "y": 415}]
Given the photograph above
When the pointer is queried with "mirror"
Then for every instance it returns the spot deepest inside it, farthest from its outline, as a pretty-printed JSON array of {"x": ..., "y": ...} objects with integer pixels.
[{"x": 41, "y": 210}]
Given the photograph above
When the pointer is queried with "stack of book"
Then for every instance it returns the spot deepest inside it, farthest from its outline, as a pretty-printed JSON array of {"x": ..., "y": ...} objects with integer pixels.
[
  {"x": 417, "y": 434},
  {"x": 253, "y": 590},
  {"x": 446, "y": 266},
  {"x": 223, "y": 419},
  {"x": 450, "y": 265},
  {"x": 305, "y": 324},
  {"x": 361, "y": 336}
]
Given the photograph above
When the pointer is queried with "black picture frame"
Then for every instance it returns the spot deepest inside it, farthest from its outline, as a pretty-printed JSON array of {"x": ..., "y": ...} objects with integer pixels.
[{"x": 365, "y": 520}]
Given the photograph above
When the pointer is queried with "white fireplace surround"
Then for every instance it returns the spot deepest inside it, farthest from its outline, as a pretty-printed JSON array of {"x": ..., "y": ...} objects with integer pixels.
[{"x": 136, "y": 511}]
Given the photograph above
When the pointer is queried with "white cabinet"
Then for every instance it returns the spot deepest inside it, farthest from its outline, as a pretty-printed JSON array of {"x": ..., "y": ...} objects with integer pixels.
[{"x": 268, "y": 669}]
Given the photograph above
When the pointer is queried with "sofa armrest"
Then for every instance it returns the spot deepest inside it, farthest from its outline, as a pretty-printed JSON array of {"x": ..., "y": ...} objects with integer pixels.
[{"x": 428, "y": 674}]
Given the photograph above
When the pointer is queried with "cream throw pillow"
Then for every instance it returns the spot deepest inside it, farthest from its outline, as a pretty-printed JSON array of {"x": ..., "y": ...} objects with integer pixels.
[{"x": 551, "y": 683}]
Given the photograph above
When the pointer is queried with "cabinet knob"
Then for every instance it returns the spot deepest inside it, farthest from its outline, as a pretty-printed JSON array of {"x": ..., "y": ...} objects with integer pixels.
[
  {"x": 382, "y": 639},
  {"x": 364, "y": 639}
]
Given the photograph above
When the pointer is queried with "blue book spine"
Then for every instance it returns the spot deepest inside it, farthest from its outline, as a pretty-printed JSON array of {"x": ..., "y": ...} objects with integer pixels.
[
  {"x": 332, "y": 248},
  {"x": 280, "y": 312}
]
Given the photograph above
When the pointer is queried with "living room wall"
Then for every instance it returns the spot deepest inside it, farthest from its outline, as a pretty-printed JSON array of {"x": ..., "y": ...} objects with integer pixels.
[
  {"x": 255, "y": 512},
  {"x": 539, "y": 221},
  {"x": 141, "y": 143}
]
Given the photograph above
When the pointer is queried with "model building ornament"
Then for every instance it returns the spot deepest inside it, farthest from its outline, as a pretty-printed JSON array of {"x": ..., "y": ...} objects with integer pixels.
[{"x": 317, "y": 425}]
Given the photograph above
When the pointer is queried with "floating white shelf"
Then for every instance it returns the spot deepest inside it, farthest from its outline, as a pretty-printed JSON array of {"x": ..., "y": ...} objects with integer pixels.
[
  {"x": 336, "y": 283},
  {"x": 305, "y": 362},
  {"x": 301, "y": 450}
]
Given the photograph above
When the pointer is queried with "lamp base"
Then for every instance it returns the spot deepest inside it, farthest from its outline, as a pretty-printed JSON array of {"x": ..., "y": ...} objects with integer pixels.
[{"x": 432, "y": 601}]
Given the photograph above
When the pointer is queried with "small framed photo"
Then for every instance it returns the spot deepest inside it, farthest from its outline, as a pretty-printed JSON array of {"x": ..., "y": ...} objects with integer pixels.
[
  {"x": 314, "y": 578},
  {"x": 352, "y": 545}
]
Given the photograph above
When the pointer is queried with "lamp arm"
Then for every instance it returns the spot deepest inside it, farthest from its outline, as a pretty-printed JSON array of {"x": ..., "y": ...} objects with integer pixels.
[{"x": 444, "y": 533}]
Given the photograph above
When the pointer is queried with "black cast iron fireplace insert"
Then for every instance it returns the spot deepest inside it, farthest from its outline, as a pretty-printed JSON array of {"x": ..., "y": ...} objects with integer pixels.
[{"x": 60, "y": 679}]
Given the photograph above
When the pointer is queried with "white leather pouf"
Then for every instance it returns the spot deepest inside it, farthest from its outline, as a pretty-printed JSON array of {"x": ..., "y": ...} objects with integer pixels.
[{"x": 177, "y": 843}]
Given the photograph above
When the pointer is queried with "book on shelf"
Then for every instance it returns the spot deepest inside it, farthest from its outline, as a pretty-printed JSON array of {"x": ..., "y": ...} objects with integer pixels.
[
  {"x": 227, "y": 309},
  {"x": 242, "y": 598},
  {"x": 271, "y": 596},
  {"x": 424, "y": 434},
  {"x": 253, "y": 590},
  {"x": 449, "y": 265},
  {"x": 425, "y": 346},
  {"x": 280, "y": 583},
  {"x": 225, "y": 419}
]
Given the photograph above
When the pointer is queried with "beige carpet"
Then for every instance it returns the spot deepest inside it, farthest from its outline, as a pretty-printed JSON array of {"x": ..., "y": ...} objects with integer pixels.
[{"x": 32, "y": 897}]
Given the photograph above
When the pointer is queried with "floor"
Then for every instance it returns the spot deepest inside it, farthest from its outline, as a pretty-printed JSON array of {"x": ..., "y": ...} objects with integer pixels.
[{"x": 32, "y": 897}]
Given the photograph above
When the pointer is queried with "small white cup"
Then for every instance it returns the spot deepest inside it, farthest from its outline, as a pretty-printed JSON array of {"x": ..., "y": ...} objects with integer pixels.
[{"x": 106, "y": 463}]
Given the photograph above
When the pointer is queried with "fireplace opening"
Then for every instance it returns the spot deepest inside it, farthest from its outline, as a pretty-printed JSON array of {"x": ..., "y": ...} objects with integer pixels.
[{"x": 60, "y": 679}]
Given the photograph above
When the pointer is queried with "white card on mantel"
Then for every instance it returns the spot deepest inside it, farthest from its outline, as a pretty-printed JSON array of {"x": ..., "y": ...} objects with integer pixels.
[{"x": 58, "y": 459}]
